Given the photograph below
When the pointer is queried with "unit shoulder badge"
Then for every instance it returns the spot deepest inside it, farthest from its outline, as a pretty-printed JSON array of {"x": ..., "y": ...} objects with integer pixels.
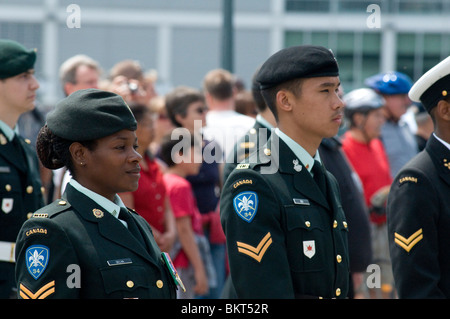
[
  {"x": 246, "y": 205},
  {"x": 37, "y": 257}
]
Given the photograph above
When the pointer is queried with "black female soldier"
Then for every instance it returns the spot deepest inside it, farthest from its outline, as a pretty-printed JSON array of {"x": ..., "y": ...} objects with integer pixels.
[{"x": 87, "y": 244}]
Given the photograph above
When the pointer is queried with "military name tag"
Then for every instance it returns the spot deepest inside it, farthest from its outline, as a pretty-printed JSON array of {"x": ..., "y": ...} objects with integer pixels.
[
  {"x": 122, "y": 261},
  {"x": 301, "y": 201},
  {"x": 5, "y": 169}
]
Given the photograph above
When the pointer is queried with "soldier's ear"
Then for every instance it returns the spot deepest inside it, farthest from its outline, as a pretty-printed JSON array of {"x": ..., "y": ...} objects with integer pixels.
[
  {"x": 443, "y": 110},
  {"x": 284, "y": 100},
  {"x": 78, "y": 152}
]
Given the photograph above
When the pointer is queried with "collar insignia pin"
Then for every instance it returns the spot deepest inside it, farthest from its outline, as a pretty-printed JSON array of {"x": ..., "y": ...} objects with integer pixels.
[
  {"x": 97, "y": 213},
  {"x": 297, "y": 166}
]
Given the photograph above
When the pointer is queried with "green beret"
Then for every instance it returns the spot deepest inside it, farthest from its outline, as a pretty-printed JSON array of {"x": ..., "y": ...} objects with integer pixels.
[
  {"x": 89, "y": 115},
  {"x": 304, "y": 61},
  {"x": 15, "y": 59}
]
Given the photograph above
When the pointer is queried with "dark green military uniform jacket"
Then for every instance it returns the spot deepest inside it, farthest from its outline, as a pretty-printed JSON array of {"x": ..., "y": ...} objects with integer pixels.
[
  {"x": 418, "y": 217},
  {"x": 73, "y": 248},
  {"x": 246, "y": 145},
  {"x": 20, "y": 196},
  {"x": 284, "y": 238}
]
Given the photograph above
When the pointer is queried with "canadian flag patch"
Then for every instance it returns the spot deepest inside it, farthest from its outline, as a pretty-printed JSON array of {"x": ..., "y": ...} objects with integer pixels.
[
  {"x": 309, "y": 248},
  {"x": 7, "y": 205}
]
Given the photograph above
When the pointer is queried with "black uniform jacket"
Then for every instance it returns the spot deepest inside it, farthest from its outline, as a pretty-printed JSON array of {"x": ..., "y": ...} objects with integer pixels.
[
  {"x": 20, "y": 186},
  {"x": 256, "y": 137},
  {"x": 20, "y": 196},
  {"x": 73, "y": 248},
  {"x": 284, "y": 238},
  {"x": 418, "y": 219}
]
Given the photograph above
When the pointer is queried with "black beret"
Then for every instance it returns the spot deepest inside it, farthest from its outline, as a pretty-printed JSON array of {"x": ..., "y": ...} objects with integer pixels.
[
  {"x": 15, "y": 58},
  {"x": 304, "y": 61},
  {"x": 90, "y": 114}
]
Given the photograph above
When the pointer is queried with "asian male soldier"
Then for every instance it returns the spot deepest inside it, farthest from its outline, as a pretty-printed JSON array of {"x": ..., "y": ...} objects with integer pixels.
[{"x": 286, "y": 232}]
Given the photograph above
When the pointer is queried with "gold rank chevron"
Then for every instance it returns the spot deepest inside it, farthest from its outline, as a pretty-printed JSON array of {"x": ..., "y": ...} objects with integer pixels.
[
  {"x": 408, "y": 243},
  {"x": 258, "y": 252},
  {"x": 42, "y": 293}
]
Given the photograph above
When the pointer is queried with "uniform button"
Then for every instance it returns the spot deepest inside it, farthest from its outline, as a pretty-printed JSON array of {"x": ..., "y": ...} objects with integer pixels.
[
  {"x": 130, "y": 284},
  {"x": 43, "y": 190},
  {"x": 307, "y": 223},
  {"x": 29, "y": 215},
  {"x": 62, "y": 202},
  {"x": 8, "y": 187},
  {"x": 29, "y": 189},
  {"x": 159, "y": 284},
  {"x": 335, "y": 223},
  {"x": 267, "y": 152},
  {"x": 345, "y": 224},
  {"x": 338, "y": 258},
  {"x": 338, "y": 292}
]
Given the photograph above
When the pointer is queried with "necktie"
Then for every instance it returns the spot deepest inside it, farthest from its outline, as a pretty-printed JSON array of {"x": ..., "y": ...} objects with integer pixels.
[
  {"x": 131, "y": 224},
  {"x": 18, "y": 148},
  {"x": 319, "y": 177}
]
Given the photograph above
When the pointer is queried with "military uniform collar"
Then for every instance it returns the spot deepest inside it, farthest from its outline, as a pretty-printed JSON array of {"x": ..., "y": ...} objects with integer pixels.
[
  {"x": 262, "y": 121},
  {"x": 442, "y": 141},
  {"x": 112, "y": 207},
  {"x": 298, "y": 150},
  {"x": 9, "y": 133}
]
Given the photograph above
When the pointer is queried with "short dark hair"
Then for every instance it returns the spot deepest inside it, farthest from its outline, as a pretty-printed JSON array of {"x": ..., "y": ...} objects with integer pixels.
[
  {"x": 270, "y": 94},
  {"x": 261, "y": 105},
  {"x": 169, "y": 141},
  {"x": 53, "y": 151},
  {"x": 139, "y": 110},
  {"x": 178, "y": 101}
]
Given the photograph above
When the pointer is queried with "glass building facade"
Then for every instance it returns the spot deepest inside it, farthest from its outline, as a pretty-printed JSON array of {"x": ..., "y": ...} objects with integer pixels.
[{"x": 181, "y": 39}]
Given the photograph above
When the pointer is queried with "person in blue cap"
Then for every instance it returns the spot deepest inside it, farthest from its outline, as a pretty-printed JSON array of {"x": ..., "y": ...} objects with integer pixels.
[{"x": 397, "y": 138}]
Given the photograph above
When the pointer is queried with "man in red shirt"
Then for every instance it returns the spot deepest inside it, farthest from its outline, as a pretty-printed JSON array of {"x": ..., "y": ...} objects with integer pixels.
[{"x": 366, "y": 153}]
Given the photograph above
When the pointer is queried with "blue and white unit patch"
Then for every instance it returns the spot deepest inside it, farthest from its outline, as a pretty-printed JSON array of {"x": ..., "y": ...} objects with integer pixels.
[
  {"x": 37, "y": 257},
  {"x": 246, "y": 205}
]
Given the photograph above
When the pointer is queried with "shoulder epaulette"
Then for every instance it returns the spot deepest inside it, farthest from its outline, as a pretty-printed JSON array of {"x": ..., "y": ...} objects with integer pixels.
[{"x": 52, "y": 209}]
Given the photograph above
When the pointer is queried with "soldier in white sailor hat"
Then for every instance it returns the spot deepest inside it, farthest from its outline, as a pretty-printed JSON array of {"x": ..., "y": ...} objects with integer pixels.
[{"x": 419, "y": 201}]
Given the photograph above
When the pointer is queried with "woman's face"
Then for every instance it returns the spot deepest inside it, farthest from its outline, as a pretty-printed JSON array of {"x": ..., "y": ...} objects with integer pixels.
[{"x": 112, "y": 167}]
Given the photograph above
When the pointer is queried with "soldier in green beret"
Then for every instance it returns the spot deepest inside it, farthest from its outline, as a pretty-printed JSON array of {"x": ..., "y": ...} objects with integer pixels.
[
  {"x": 20, "y": 183},
  {"x": 88, "y": 244},
  {"x": 280, "y": 209}
]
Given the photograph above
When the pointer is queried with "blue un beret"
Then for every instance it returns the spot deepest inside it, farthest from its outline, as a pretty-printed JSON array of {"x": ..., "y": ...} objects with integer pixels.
[
  {"x": 304, "y": 61},
  {"x": 90, "y": 114}
]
